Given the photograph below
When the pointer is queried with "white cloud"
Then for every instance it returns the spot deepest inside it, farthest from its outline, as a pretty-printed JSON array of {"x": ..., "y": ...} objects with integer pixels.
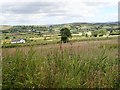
[{"x": 56, "y": 11}]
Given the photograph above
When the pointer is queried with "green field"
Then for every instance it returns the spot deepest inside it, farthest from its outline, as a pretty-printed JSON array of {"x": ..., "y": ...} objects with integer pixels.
[
  {"x": 42, "y": 35},
  {"x": 84, "y": 64}
]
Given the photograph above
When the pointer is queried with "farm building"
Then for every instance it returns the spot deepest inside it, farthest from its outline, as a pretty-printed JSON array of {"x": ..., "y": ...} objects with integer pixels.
[{"x": 18, "y": 41}]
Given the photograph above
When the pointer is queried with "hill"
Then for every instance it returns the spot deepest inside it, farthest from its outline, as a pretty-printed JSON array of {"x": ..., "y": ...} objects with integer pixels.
[{"x": 5, "y": 27}]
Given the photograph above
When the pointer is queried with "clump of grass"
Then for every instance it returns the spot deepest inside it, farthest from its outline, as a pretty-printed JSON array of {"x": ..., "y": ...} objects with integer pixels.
[
  {"x": 109, "y": 46},
  {"x": 53, "y": 68}
]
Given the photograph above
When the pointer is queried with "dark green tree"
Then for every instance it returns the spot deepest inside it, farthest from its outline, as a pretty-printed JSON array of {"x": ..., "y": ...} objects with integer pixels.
[
  {"x": 95, "y": 33},
  {"x": 6, "y": 37},
  {"x": 102, "y": 32},
  {"x": 14, "y": 37},
  {"x": 40, "y": 34},
  {"x": 65, "y": 34}
]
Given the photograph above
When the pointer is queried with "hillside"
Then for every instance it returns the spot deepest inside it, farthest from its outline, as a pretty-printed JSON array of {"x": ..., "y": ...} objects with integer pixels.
[
  {"x": 5, "y": 27},
  {"x": 72, "y": 26}
]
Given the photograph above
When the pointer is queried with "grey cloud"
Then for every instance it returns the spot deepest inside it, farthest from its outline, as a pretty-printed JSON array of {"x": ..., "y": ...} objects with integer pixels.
[{"x": 52, "y": 8}]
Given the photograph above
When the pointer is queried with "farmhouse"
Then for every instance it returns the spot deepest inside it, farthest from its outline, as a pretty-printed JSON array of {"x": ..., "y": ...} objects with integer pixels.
[{"x": 18, "y": 41}]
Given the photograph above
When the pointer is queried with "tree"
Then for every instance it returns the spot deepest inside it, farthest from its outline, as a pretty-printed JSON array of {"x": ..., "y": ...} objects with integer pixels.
[
  {"x": 65, "y": 34},
  {"x": 14, "y": 37},
  {"x": 95, "y": 33},
  {"x": 6, "y": 37},
  {"x": 102, "y": 32},
  {"x": 40, "y": 34}
]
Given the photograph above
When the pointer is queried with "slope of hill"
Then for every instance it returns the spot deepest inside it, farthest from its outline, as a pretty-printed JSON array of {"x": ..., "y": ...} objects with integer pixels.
[
  {"x": 73, "y": 26},
  {"x": 5, "y": 27}
]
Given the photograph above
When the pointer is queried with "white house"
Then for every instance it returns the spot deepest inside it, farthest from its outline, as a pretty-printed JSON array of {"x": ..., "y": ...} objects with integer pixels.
[{"x": 18, "y": 41}]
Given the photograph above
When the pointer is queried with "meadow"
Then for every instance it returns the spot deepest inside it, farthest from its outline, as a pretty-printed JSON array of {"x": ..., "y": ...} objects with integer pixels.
[{"x": 84, "y": 64}]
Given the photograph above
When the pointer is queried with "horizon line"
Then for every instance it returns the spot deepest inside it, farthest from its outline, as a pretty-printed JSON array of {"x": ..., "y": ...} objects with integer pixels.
[{"x": 61, "y": 23}]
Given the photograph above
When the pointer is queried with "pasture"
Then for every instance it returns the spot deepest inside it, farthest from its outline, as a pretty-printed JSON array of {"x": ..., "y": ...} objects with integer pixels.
[{"x": 84, "y": 64}]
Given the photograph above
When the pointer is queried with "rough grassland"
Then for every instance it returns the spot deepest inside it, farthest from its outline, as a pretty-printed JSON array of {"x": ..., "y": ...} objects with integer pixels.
[{"x": 86, "y": 64}]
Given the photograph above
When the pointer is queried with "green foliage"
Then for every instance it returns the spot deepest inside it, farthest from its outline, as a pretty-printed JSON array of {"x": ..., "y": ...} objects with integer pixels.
[
  {"x": 95, "y": 33},
  {"x": 115, "y": 32},
  {"x": 14, "y": 37},
  {"x": 102, "y": 32},
  {"x": 6, "y": 37},
  {"x": 65, "y": 34},
  {"x": 99, "y": 32}
]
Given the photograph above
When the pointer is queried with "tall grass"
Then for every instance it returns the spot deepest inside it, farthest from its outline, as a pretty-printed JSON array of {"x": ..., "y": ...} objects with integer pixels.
[{"x": 62, "y": 67}]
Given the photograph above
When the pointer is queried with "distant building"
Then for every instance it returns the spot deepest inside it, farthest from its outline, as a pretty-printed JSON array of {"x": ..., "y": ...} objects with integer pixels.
[{"x": 18, "y": 41}]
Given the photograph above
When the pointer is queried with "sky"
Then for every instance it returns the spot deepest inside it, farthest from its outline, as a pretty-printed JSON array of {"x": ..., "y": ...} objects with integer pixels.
[{"x": 48, "y": 12}]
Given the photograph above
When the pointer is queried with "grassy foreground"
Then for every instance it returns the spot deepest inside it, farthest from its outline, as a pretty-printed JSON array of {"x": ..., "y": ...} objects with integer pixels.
[{"x": 90, "y": 64}]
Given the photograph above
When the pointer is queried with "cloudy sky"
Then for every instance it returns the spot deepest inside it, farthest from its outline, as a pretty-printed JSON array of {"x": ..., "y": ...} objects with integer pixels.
[{"x": 42, "y": 12}]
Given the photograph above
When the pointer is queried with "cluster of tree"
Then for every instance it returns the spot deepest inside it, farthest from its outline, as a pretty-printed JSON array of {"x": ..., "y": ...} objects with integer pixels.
[
  {"x": 104, "y": 32},
  {"x": 24, "y": 28},
  {"x": 99, "y": 33},
  {"x": 77, "y": 27},
  {"x": 114, "y": 32}
]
